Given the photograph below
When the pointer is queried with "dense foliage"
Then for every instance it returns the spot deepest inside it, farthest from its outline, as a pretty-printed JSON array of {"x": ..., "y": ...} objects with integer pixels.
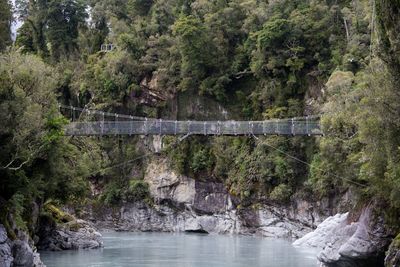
[
  {"x": 6, "y": 19},
  {"x": 255, "y": 59}
]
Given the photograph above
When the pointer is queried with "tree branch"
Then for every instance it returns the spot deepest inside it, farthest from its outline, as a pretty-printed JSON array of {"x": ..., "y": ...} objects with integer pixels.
[{"x": 23, "y": 163}]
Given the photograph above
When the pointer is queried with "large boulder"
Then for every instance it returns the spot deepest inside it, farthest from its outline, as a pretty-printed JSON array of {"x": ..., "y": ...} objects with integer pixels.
[
  {"x": 346, "y": 243},
  {"x": 6, "y": 257},
  {"x": 76, "y": 234},
  {"x": 23, "y": 254},
  {"x": 19, "y": 252}
]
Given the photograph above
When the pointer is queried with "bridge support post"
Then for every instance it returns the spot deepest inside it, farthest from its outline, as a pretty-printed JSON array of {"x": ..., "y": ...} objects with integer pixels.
[
  {"x": 131, "y": 124},
  {"x": 116, "y": 125},
  {"x": 102, "y": 124},
  {"x": 292, "y": 127},
  {"x": 176, "y": 126},
  {"x": 264, "y": 128}
]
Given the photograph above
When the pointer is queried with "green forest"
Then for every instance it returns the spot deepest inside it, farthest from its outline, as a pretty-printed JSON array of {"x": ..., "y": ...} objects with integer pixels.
[{"x": 259, "y": 59}]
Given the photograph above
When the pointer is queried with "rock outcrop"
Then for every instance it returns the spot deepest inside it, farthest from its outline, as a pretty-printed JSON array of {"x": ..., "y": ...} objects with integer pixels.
[
  {"x": 393, "y": 254},
  {"x": 77, "y": 234},
  {"x": 346, "y": 243},
  {"x": 185, "y": 204},
  {"x": 19, "y": 252},
  {"x": 6, "y": 257}
]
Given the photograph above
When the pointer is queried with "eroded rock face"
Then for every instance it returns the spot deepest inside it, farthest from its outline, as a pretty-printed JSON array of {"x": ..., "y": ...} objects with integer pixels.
[
  {"x": 185, "y": 204},
  {"x": 77, "y": 234},
  {"x": 345, "y": 243},
  {"x": 271, "y": 221},
  {"x": 23, "y": 254},
  {"x": 6, "y": 257},
  {"x": 18, "y": 253}
]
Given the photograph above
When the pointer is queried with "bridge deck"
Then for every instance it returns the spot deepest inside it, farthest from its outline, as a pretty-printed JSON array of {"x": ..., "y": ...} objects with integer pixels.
[{"x": 168, "y": 127}]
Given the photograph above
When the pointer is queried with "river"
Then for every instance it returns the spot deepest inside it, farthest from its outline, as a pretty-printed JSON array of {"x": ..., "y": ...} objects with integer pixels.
[{"x": 124, "y": 249}]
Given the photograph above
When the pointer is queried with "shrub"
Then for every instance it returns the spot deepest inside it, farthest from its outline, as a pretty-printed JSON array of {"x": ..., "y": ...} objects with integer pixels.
[
  {"x": 137, "y": 190},
  {"x": 281, "y": 193},
  {"x": 112, "y": 194},
  {"x": 16, "y": 204},
  {"x": 201, "y": 160},
  {"x": 58, "y": 215}
]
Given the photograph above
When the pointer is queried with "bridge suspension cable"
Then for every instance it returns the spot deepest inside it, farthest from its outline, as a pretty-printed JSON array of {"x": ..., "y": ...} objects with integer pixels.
[
  {"x": 103, "y": 114},
  {"x": 310, "y": 165}
]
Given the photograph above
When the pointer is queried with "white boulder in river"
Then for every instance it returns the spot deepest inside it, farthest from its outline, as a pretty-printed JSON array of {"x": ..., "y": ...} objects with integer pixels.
[{"x": 348, "y": 243}]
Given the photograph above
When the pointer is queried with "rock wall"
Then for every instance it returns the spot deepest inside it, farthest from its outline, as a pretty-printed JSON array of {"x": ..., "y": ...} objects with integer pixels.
[{"x": 185, "y": 204}]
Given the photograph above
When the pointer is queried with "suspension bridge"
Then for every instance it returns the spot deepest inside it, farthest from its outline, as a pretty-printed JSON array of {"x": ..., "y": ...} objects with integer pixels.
[{"x": 98, "y": 123}]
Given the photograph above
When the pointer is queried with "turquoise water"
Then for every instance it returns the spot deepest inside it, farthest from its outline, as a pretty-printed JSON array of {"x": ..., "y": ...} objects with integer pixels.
[{"x": 184, "y": 250}]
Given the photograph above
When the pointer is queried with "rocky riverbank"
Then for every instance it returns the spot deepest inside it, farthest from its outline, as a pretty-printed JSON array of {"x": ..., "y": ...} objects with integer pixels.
[
  {"x": 183, "y": 204},
  {"x": 19, "y": 249}
]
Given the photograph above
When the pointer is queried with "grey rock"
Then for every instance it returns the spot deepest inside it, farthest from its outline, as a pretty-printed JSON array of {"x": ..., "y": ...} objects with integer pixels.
[
  {"x": 3, "y": 234},
  {"x": 392, "y": 258},
  {"x": 19, "y": 252},
  {"x": 345, "y": 243},
  {"x": 37, "y": 262},
  {"x": 23, "y": 254},
  {"x": 334, "y": 230},
  {"x": 185, "y": 204},
  {"x": 77, "y": 234},
  {"x": 6, "y": 257}
]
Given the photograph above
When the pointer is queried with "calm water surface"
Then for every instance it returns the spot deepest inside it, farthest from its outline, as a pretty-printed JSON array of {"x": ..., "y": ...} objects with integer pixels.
[{"x": 184, "y": 250}]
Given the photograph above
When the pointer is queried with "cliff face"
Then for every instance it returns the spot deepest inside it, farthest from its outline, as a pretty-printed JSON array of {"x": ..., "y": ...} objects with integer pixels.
[{"x": 185, "y": 204}]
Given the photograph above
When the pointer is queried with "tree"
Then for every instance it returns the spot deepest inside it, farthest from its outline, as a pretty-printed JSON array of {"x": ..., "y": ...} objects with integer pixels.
[
  {"x": 37, "y": 161},
  {"x": 51, "y": 27},
  {"x": 5, "y": 24},
  {"x": 194, "y": 45},
  {"x": 31, "y": 35},
  {"x": 139, "y": 7},
  {"x": 63, "y": 21}
]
